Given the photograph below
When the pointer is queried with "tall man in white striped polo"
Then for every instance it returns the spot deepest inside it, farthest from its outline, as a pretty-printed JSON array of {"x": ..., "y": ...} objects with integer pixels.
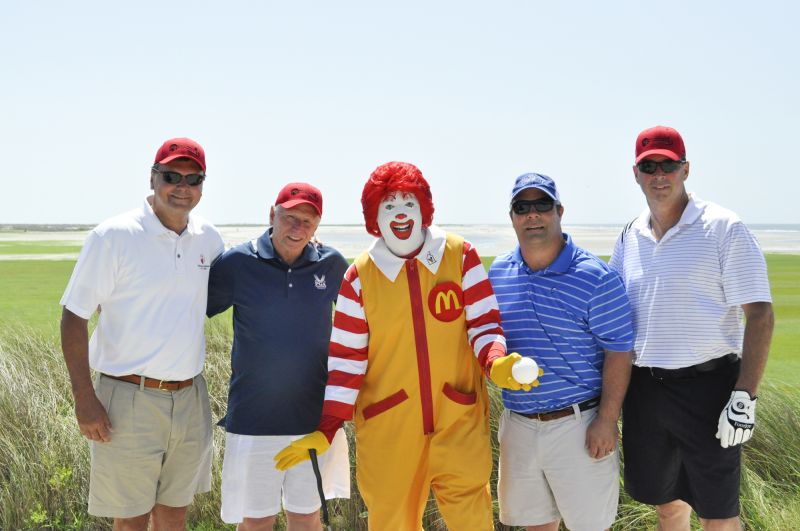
[
  {"x": 563, "y": 307},
  {"x": 692, "y": 270}
]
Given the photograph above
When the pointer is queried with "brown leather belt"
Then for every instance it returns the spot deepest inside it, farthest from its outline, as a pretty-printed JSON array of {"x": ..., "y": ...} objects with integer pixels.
[
  {"x": 561, "y": 413},
  {"x": 163, "y": 385},
  {"x": 694, "y": 370}
]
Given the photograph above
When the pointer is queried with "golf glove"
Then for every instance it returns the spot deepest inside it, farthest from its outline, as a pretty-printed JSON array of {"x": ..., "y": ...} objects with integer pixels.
[
  {"x": 500, "y": 373},
  {"x": 737, "y": 420},
  {"x": 297, "y": 451}
]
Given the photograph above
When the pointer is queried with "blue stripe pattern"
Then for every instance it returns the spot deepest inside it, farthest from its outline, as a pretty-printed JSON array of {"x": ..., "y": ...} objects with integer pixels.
[{"x": 563, "y": 317}]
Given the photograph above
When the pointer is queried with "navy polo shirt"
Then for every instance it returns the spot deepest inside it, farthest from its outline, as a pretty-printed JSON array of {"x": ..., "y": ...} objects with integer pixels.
[{"x": 281, "y": 331}]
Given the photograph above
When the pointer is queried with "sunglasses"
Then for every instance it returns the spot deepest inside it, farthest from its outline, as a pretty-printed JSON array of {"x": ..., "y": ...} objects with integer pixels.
[
  {"x": 173, "y": 177},
  {"x": 667, "y": 166},
  {"x": 523, "y": 206}
]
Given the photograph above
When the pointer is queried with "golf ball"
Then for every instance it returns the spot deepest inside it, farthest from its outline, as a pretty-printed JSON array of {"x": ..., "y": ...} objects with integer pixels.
[{"x": 525, "y": 371}]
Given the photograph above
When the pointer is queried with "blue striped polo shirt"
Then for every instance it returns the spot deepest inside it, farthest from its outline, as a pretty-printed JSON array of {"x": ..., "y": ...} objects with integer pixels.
[{"x": 562, "y": 316}]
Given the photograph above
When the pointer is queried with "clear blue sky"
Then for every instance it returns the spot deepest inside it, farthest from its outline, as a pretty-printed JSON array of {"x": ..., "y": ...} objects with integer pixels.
[{"x": 474, "y": 93}]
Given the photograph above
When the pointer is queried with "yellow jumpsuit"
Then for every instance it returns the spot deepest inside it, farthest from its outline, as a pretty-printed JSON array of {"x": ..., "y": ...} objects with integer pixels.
[{"x": 422, "y": 413}]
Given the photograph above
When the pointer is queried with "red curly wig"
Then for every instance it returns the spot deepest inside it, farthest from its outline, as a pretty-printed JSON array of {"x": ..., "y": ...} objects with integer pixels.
[{"x": 393, "y": 177}]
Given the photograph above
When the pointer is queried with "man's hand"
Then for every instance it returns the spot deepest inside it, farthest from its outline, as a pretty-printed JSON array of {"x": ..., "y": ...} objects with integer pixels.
[
  {"x": 92, "y": 418},
  {"x": 297, "y": 452},
  {"x": 738, "y": 420},
  {"x": 500, "y": 373},
  {"x": 601, "y": 437}
]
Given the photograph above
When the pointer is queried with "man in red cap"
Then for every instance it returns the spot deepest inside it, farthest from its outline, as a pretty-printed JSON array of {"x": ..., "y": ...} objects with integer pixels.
[
  {"x": 147, "y": 414},
  {"x": 416, "y": 331},
  {"x": 693, "y": 273},
  {"x": 282, "y": 287}
]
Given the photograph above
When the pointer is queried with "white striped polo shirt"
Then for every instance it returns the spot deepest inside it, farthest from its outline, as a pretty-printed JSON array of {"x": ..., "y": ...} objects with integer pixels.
[
  {"x": 562, "y": 316},
  {"x": 686, "y": 290}
]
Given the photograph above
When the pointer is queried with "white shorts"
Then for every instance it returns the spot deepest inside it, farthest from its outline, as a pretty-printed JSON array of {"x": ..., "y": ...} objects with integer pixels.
[
  {"x": 253, "y": 488},
  {"x": 545, "y": 474}
]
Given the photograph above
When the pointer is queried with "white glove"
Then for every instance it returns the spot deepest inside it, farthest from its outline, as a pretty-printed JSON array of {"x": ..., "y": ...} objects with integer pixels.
[{"x": 737, "y": 421}]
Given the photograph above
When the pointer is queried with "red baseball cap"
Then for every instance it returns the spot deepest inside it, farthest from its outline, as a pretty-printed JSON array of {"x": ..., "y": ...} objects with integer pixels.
[
  {"x": 181, "y": 148},
  {"x": 660, "y": 140},
  {"x": 294, "y": 194}
]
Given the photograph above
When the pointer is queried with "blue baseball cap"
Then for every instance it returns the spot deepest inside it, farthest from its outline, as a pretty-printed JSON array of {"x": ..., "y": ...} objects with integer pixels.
[{"x": 538, "y": 181}]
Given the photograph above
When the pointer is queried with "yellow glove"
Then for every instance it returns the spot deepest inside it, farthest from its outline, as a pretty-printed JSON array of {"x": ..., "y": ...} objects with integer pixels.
[
  {"x": 500, "y": 373},
  {"x": 297, "y": 452}
]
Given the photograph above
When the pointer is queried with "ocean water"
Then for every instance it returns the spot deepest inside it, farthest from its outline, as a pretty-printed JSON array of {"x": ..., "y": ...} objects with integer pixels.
[{"x": 350, "y": 240}]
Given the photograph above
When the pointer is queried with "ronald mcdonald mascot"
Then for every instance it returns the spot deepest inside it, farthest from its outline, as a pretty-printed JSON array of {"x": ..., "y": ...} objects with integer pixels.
[{"x": 416, "y": 329}]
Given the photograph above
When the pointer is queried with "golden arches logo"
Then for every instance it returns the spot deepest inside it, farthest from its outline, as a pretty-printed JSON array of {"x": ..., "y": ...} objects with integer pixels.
[
  {"x": 448, "y": 298},
  {"x": 446, "y": 301}
]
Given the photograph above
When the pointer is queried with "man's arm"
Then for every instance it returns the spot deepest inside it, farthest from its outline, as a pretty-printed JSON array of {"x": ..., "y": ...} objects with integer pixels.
[
  {"x": 759, "y": 323},
  {"x": 92, "y": 418},
  {"x": 602, "y": 434},
  {"x": 482, "y": 314}
]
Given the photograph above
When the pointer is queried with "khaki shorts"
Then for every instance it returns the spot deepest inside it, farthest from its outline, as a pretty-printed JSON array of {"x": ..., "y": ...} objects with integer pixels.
[
  {"x": 253, "y": 488},
  {"x": 546, "y": 474},
  {"x": 160, "y": 448}
]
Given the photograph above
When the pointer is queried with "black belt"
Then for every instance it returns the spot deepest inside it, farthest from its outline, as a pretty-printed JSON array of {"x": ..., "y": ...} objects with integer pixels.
[
  {"x": 694, "y": 370},
  {"x": 561, "y": 413}
]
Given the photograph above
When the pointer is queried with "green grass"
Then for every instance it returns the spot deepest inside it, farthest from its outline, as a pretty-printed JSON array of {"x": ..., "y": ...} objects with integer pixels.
[
  {"x": 38, "y": 247},
  {"x": 44, "y": 460},
  {"x": 31, "y": 290}
]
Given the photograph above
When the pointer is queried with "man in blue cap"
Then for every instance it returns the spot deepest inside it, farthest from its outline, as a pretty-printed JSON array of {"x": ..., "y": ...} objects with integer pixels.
[{"x": 564, "y": 308}]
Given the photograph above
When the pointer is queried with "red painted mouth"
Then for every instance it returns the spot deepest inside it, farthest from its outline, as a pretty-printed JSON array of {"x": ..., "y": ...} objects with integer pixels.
[{"x": 402, "y": 231}]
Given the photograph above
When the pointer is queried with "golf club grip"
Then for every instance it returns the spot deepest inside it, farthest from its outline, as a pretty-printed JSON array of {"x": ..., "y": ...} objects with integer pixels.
[{"x": 315, "y": 465}]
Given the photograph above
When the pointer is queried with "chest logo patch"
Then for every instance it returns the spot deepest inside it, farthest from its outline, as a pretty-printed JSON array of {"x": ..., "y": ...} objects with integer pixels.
[
  {"x": 319, "y": 282},
  {"x": 446, "y": 301}
]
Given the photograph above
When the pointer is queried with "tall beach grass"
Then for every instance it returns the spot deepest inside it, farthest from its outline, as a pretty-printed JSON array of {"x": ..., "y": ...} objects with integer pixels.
[{"x": 44, "y": 460}]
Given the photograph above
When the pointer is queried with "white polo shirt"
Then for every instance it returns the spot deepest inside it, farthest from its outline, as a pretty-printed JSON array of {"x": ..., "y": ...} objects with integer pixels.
[
  {"x": 151, "y": 286},
  {"x": 686, "y": 290}
]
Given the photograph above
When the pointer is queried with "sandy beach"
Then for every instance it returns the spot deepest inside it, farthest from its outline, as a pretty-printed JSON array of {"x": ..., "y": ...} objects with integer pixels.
[{"x": 490, "y": 240}]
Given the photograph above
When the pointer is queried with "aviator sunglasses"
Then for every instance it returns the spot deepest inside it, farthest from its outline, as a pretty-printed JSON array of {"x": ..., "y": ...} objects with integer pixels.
[
  {"x": 173, "y": 177},
  {"x": 667, "y": 166},
  {"x": 523, "y": 206}
]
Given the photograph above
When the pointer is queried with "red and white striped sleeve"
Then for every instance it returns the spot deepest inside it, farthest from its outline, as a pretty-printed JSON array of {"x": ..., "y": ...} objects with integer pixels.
[
  {"x": 482, "y": 313},
  {"x": 347, "y": 354}
]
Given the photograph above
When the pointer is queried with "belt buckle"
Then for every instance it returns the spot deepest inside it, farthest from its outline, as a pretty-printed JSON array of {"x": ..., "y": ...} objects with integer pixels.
[{"x": 161, "y": 386}]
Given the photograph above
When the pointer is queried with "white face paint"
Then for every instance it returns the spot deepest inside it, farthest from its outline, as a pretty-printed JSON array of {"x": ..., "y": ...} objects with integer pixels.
[{"x": 400, "y": 223}]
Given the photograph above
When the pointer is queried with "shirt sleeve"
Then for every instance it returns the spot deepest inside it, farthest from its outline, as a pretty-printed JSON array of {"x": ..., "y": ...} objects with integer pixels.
[
  {"x": 222, "y": 283},
  {"x": 482, "y": 313},
  {"x": 744, "y": 269},
  {"x": 610, "y": 318},
  {"x": 93, "y": 278},
  {"x": 618, "y": 255},
  {"x": 347, "y": 353}
]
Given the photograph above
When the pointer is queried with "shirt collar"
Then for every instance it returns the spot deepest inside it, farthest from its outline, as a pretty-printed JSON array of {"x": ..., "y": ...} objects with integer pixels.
[
  {"x": 153, "y": 225},
  {"x": 691, "y": 212},
  {"x": 558, "y": 266},
  {"x": 429, "y": 256},
  {"x": 266, "y": 250}
]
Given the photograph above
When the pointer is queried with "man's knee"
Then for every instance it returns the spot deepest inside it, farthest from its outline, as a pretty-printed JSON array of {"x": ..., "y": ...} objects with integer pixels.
[
  {"x": 303, "y": 522},
  {"x": 136, "y": 523},
  {"x": 674, "y": 515},
  {"x": 723, "y": 524},
  {"x": 257, "y": 524},
  {"x": 169, "y": 518}
]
